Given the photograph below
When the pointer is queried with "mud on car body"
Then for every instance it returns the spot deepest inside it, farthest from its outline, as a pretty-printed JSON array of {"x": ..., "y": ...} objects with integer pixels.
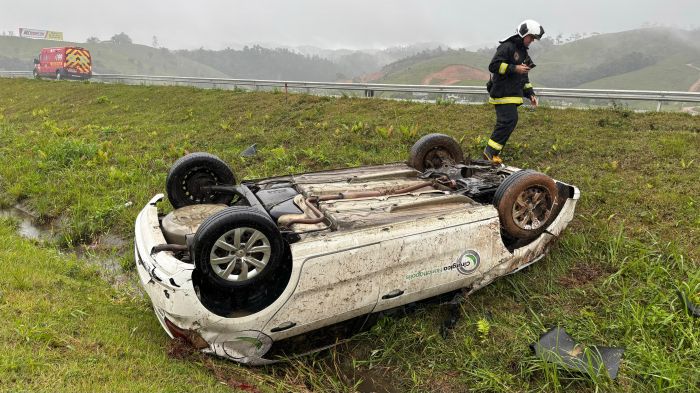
[{"x": 239, "y": 268}]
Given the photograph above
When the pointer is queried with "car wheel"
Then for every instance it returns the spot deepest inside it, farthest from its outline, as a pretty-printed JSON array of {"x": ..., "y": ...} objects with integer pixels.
[
  {"x": 433, "y": 151},
  {"x": 526, "y": 201},
  {"x": 237, "y": 248},
  {"x": 191, "y": 173}
]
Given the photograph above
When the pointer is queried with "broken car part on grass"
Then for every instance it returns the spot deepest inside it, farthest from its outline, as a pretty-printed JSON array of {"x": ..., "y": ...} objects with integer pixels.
[
  {"x": 557, "y": 347},
  {"x": 239, "y": 269}
]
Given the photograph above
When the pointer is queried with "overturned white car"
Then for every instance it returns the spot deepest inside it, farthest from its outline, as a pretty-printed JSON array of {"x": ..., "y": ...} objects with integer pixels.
[{"x": 238, "y": 269}]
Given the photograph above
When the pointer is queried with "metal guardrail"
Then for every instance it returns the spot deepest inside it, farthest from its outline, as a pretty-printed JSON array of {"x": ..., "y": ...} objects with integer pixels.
[{"x": 369, "y": 89}]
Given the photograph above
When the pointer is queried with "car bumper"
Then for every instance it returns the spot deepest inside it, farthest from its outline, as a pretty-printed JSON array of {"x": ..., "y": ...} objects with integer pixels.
[
  {"x": 76, "y": 75},
  {"x": 168, "y": 283}
]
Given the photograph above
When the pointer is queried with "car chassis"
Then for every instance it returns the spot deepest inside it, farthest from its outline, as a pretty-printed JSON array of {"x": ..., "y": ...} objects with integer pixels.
[{"x": 237, "y": 268}]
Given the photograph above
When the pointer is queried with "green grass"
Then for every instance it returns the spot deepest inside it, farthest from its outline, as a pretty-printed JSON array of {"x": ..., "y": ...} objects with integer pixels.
[
  {"x": 77, "y": 153},
  {"x": 65, "y": 330}
]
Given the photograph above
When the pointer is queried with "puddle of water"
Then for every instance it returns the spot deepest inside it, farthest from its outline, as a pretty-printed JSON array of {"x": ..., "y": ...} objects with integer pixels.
[
  {"x": 27, "y": 228},
  {"x": 109, "y": 265}
]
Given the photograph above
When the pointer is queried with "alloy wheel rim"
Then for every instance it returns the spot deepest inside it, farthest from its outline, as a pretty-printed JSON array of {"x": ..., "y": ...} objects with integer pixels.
[
  {"x": 240, "y": 254},
  {"x": 532, "y": 208}
]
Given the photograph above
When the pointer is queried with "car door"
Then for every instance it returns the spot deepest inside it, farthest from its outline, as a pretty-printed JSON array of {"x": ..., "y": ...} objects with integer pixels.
[
  {"x": 333, "y": 286},
  {"x": 439, "y": 257}
]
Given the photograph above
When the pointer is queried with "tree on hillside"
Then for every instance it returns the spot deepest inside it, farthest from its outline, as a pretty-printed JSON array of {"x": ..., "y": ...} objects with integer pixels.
[
  {"x": 121, "y": 38},
  {"x": 261, "y": 63},
  {"x": 92, "y": 40}
]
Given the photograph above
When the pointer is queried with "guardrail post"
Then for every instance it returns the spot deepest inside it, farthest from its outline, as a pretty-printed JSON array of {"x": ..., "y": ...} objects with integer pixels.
[
  {"x": 369, "y": 93},
  {"x": 658, "y": 106}
]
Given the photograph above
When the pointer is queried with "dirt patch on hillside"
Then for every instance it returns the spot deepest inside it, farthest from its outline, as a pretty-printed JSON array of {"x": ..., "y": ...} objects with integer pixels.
[
  {"x": 453, "y": 74},
  {"x": 695, "y": 87},
  {"x": 373, "y": 77}
]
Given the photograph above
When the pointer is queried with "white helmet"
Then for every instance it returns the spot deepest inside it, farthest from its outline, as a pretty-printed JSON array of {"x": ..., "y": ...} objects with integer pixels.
[{"x": 530, "y": 27}]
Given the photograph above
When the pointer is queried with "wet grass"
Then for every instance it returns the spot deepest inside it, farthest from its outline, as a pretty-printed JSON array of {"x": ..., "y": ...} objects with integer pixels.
[
  {"x": 86, "y": 157},
  {"x": 65, "y": 330}
]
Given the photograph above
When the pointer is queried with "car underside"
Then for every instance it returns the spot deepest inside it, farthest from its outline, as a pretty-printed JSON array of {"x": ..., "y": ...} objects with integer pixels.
[{"x": 236, "y": 267}]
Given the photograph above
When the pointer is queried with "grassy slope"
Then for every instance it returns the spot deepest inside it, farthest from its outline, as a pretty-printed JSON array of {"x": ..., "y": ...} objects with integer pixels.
[
  {"x": 670, "y": 74},
  {"x": 610, "y": 280},
  {"x": 65, "y": 330},
  {"x": 107, "y": 57}
]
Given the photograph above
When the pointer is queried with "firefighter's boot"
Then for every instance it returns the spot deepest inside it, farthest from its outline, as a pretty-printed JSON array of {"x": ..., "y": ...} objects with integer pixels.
[{"x": 493, "y": 158}]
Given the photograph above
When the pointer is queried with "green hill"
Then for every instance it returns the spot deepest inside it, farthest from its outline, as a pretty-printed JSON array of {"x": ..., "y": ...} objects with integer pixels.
[
  {"x": 262, "y": 63},
  {"x": 652, "y": 58},
  {"x": 417, "y": 69},
  {"x": 669, "y": 74},
  {"x": 637, "y": 59}
]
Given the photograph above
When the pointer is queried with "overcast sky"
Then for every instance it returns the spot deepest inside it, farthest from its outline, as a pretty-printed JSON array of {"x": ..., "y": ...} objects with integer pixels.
[{"x": 216, "y": 24}]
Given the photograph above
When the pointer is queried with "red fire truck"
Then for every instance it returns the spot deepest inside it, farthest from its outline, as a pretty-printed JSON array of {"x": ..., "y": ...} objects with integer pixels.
[{"x": 68, "y": 62}]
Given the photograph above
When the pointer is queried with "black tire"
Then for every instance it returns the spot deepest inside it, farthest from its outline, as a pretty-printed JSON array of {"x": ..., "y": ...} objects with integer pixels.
[
  {"x": 266, "y": 249},
  {"x": 434, "y": 151},
  {"x": 190, "y": 173},
  {"x": 526, "y": 202},
  {"x": 506, "y": 184}
]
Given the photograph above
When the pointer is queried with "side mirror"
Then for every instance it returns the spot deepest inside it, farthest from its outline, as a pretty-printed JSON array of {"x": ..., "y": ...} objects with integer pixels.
[{"x": 36, "y": 61}]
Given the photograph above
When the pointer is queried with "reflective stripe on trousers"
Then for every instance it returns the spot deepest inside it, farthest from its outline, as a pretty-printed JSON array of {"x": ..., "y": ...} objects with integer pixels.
[{"x": 506, "y": 120}]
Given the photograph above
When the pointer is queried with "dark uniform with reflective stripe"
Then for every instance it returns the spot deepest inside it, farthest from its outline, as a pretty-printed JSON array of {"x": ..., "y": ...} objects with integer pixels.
[{"x": 506, "y": 89}]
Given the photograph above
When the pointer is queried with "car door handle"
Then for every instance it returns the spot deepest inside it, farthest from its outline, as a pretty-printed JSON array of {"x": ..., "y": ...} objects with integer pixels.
[
  {"x": 393, "y": 294},
  {"x": 284, "y": 326}
]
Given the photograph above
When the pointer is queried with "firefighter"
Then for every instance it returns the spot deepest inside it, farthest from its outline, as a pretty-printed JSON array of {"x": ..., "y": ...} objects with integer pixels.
[{"x": 509, "y": 83}]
